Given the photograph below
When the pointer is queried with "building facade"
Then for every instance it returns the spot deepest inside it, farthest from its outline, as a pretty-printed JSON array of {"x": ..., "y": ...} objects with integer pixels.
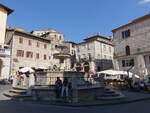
[
  {"x": 51, "y": 34},
  {"x": 132, "y": 47},
  {"x": 4, "y": 49},
  {"x": 28, "y": 50},
  {"x": 97, "y": 52}
]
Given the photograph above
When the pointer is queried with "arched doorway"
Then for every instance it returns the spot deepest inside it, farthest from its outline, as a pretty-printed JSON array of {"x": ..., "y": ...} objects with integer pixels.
[
  {"x": 127, "y": 50},
  {"x": 78, "y": 67},
  {"x": 86, "y": 67}
]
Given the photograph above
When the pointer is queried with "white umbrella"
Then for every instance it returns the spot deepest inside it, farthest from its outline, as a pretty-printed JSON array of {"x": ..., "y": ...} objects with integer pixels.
[
  {"x": 116, "y": 72},
  {"x": 40, "y": 67},
  {"x": 26, "y": 69},
  {"x": 109, "y": 72}
]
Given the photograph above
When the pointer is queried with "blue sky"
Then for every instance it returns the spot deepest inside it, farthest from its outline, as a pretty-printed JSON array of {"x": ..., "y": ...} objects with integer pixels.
[{"x": 76, "y": 19}]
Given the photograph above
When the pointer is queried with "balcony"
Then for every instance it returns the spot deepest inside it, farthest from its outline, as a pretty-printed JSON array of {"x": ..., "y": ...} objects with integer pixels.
[{"x": 4, "y": 52}]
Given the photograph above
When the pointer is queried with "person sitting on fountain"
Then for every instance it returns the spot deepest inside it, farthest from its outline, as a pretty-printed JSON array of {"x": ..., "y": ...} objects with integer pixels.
[{"x": 58, "y": 85}]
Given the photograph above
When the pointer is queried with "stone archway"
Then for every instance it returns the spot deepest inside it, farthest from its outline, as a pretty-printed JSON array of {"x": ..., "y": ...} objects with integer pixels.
[
  {"x": 86, "y": 66},
  {"x": 78, "y": 67}
]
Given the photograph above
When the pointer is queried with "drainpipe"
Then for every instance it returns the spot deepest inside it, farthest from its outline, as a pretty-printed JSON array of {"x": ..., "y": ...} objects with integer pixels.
[{"x": 11, "y": 53}]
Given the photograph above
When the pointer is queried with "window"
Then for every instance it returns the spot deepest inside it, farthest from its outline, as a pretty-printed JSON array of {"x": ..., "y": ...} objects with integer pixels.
[
  {"x": 90, "y": 57},
  {"x": 44, "y": 57},
  {"x": 45, "y": 46},
  {"x": 29, "y": 42},
  {"x": 123, "y": 63},
  {"x": 29, "y": 54},
  {"x": 104, "y": 47},
  {"x": 79, "y": 57},
  {"x": 59, "y": 37},
  {"x": 88, "y": 46},
  {"x": 98, "y": 68},
  {"x": 37, "y": 44},
  {"x": 37, "y": 55},
  {"x": 110, "y": 49},
  {"x": 20, "y": 53},
  {"x": 132, "y": 62},
  {"x": 127, "y": 50},
  {"x": 127, "y": 63},
  {"x": 21, "y": 40},
  {"x": 78, "y": 49},
  {"x": 126, "y": 34}
]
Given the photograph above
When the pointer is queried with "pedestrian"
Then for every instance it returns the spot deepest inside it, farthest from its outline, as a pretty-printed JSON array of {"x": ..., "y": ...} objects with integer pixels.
[
  {"x": 58, "y": 86},
  {"x": 11, "y": 79},
  {"x": 64, "y": 91},
  {"x": 142, "y": 85}
]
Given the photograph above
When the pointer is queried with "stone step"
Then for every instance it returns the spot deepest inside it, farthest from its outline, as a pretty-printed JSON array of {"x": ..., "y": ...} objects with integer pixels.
[
  {"x": 14, "y": 95},
  {"x": 10, "y": 94},
  {"x": 17, "y": 91},
  {"x": 110, "y": 94},
  {"x": 19, "y": 88},
  {"x": 121, "y": 96},
  {"x": 107, "y": 89}
]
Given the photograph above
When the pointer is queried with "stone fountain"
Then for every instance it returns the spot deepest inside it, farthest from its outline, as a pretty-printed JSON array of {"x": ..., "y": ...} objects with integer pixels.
[{"x": 62, "y": 55}]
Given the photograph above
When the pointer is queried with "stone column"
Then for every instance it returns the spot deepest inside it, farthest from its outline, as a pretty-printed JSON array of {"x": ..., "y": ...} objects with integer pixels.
[
  {"x": 15, "y": 82},
  {"x": 116, "y": 64},
  {"x": 74, "y": 89},
  {"x": 92, "y": 66}
]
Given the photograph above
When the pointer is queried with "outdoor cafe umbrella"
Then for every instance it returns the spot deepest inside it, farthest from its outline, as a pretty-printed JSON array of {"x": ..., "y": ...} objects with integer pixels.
[
  {"x": 116, "y": 72},
  {"x": 26, "y": 69}
]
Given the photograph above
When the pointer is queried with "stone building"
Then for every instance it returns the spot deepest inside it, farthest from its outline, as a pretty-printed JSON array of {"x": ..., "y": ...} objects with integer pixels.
[
  {"x": 97, "y": 52},
  {"x": 51, "y": 34},
  {"x": 4, "y": 49},
  {"x": 132, "y": 46},
  {"x": 28, "y": 50}
]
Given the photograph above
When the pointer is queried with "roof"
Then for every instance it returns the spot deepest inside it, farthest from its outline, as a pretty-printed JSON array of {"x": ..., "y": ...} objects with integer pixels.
[
  {"x": 48, "y": 30},
  {"x": 95, "y": 37},
  {"x": 7, "y": 9},
  {"x": 109, "y": 42},
  {"x": 138, "y": 20},
  {"x": 27, "y": 33},
  {"x": 70, "y": 42}
]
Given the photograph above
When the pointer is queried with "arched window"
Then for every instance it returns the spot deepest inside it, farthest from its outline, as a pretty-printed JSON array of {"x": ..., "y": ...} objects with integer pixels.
[{"x": 127, "y": 50}]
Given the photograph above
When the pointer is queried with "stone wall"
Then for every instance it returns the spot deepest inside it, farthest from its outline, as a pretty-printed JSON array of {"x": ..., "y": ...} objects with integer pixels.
[{"x": 49, "y": 78}]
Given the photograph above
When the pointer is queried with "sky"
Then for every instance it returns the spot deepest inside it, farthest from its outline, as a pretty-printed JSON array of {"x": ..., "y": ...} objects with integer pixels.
[{"x": 76, "y": 19}]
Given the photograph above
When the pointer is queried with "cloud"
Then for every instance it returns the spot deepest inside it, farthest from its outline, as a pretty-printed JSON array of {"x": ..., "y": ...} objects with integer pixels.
[{"x": 144, "y": 1}]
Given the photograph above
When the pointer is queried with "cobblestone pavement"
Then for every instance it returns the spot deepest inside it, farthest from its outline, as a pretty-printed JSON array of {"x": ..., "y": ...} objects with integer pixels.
[
  {"x": 4, "y": 88},
  {"x": 25, "y": 107},
  {"x": 9, "y": 106}
]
